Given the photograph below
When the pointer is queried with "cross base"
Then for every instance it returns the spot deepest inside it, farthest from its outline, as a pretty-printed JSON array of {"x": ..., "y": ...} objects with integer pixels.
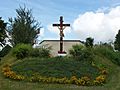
[{"x": 62, "y": 53}]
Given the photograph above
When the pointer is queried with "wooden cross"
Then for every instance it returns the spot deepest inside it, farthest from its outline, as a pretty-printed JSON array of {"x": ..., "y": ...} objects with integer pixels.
[{"x": 61, "y": 27}]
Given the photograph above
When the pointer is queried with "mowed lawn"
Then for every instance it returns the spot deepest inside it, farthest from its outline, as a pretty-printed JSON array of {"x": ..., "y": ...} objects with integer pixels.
[{"x": 113, "y": 82}]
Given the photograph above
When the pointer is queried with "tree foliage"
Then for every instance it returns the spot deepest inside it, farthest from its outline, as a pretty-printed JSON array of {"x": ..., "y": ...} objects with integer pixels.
[
  {"x": 117, "y": 41},
  {"x": 89, "y": 42},
  {"x": 24, "y": 27},
  {"x": 76, "y": 50},
  {"x": 80, "y": 52},
  {"x": 5, "y": 50},
  {"x": 3, "y": 34},
  {"x": 22, "y": 50}
]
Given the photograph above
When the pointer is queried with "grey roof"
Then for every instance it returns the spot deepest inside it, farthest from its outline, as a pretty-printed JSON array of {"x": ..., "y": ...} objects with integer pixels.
[{"x": 63, "y": 40}]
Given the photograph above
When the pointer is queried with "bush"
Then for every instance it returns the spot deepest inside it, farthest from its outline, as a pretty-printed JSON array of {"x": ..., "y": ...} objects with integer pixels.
[
  {"x": 5, "y": 51},
  {"x": 108, "y": 52},
  {"x": 40, "y": 52},
  {"x": 22, "y": 50},
  {"x": 80, "y": 52},
  {"x": 87, "y": 54},
  {"x": 89, "y": 42},
  {"x": 34, "y": 52},
  {"x": 25, "y": 50},
  {"x": 76, "y": 50}
]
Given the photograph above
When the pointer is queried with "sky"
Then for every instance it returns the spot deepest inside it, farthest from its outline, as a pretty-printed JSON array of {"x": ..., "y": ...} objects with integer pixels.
[{"x": 99, "y": 19}]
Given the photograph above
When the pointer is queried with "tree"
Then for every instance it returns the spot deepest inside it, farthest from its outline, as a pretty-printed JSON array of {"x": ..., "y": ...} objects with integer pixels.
[
  {"x": 117, "y": 41},
  {"x": 5, "y": 50},
  {"x": 89, "y": 42},
  {"x": 3, "y": 34},
  {"x": 24, "y": 27}
]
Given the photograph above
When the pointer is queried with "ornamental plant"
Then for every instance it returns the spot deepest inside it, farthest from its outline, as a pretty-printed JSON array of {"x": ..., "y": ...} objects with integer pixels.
[
  {"x": 83, "y": 81},
  {"x": 22, "y": 50},
  {"x": 7, "y": 72}
]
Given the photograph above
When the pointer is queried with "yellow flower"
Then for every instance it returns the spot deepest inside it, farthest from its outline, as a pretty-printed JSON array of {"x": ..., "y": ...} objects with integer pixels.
[{"x": 104, "y": 72}]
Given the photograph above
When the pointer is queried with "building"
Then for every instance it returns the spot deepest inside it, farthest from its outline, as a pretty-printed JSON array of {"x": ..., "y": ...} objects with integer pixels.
[{"x": 55, "y": 45}]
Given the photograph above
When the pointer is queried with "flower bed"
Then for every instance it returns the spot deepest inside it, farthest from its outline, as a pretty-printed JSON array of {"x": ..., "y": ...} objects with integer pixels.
[
  {"x": 10, "y": 74},
  {"x": 83, "y": 81}
]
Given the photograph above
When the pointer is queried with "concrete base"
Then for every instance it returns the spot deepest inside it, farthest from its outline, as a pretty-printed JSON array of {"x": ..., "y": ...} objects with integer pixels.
[{"x": 62, "y": 53}]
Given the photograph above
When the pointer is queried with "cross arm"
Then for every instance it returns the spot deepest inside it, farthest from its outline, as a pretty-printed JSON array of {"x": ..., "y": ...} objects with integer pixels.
[
  {"x": 56, "y": 24},
  {"x": 59, "y": 24},
  {"x": 66, "y": 24}
]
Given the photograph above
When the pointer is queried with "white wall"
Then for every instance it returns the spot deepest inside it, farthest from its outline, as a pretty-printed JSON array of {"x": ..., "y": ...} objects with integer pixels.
[{"x": 55, "y": 45}]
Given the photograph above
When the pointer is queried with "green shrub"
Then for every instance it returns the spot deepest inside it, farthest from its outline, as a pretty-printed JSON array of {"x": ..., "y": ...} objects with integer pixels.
[
  {"x": 76, "y": 50},
  {"x": 5, "y": 51},
  {"x": 40, "y": 52},
  {"x": 89, "y": 42},
  {"x": 109, "y": 53},
  {"x": 22, "y": 50},
  {"x": 80, "y": 52},
  {"x": 87, "y": 54},
  {"x": 34, "y": 52}
]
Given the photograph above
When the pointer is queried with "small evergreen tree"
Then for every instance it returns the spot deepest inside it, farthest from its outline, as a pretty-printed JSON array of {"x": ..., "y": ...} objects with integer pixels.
[
  {"x": 5, "y": 50},
  {"x": 3, "y": 34},
  {"x": 24, "y": 27},
  {"x": 89, "y": 42},
  {"x": 117, "y": 41}
]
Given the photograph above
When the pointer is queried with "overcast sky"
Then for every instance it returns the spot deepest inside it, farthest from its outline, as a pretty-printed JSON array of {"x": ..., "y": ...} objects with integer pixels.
[{"x": 99, "y": 19}]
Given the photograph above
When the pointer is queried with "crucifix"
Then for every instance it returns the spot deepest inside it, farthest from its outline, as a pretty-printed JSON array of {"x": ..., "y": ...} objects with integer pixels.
[{"x": 61, "y": 27}]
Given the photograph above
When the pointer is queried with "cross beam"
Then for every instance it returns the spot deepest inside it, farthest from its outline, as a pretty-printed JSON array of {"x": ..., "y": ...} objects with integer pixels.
[{"x": 61, "y": 27}]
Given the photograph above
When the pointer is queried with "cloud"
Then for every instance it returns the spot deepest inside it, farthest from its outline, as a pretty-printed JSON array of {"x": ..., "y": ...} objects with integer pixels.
[
  {"x": 102, "y": 26},
  {"x": 42, "y": 32},
  {"x": 40, "y": 35}
]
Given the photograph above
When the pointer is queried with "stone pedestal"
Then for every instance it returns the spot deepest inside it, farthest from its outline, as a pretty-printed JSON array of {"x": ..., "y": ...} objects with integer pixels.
[{"x": 63, "y": 53}]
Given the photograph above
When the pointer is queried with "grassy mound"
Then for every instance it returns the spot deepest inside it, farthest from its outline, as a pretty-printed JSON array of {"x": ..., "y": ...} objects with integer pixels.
[
  {"x": 104, "y": 57},
  {"x": 55, "y": 67}
]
